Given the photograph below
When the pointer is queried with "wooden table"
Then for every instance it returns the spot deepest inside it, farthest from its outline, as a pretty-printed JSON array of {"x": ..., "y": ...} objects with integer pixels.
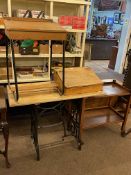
[
  {"x": 4, "y": 125},
  {"x": 39, "y": 93},
  {"x": 34, "y": 29}
]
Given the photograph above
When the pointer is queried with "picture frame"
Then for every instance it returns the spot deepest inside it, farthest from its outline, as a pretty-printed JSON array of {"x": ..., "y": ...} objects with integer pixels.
[
  {"x": 110, "y": 21},
  {"x": 122, "y": 17},
  {"x": 116, "y": 18}
]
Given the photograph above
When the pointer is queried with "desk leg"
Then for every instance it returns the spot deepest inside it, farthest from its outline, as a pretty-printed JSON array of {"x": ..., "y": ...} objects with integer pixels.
[
  {"x": 5, "y": 130},
  {"x": 75, "y": 121},
  {"x": 123, "y": 128},
  {"x": 34, "y": 130}
]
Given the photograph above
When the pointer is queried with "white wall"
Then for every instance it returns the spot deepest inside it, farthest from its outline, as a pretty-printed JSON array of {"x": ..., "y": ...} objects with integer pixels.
[{"x": 126, "y": 30}]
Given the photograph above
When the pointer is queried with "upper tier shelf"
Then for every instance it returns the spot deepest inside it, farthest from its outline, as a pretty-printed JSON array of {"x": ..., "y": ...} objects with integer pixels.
[
  {"x": 35, "y": 29},
  {"x": 79, "y": 2},
  {"x": 42, "y": 55}
]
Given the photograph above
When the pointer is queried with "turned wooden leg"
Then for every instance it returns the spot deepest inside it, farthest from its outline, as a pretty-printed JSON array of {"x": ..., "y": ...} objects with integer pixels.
[
  {"x": 123, "y": 130},
  {"x": 3, "y": 124},
  {"x": 5, "y": 129}
]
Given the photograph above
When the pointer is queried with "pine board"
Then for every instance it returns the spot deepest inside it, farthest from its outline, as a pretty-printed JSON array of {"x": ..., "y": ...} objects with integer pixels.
[
  {"x": 78, "y": 80},
  {"x": 35, "y": 29}
]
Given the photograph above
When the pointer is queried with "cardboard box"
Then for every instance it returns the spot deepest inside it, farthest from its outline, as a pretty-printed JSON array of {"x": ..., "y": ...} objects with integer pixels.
[
  {"x": 16, "y": 49},
  {"x": 3, "y": 73},
  {"x": 57, "y": 49},
  {"x": 44, "y": 48}
]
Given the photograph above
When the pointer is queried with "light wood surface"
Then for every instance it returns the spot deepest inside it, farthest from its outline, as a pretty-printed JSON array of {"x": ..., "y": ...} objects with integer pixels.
[
  {"x": 80, "y": 2},
  {"x": 78, "y": 80},
  {"x": 36, "y": 93},
  {"x": 44, "y": 92},
  {"x": 35, "y": 29}
]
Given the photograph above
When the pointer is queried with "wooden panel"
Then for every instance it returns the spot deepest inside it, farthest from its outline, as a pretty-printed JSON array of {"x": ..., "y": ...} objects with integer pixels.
[
  {"x": 96, "y": 102},
  {"x": 78, "y": 80},
  {"x": 98, "y": 117},
  {"x": 33, "y": 29},
  {"x": 101, "y": 48},
  {"x": 17, "y": 35},
  {"x": 114, "y": 89}
]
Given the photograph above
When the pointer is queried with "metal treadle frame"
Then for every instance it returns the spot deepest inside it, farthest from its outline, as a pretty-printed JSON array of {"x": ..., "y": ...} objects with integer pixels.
[
  {"x": 34, "y": 123},
  {"x": 74, "y": 121},
  {"x": 73, "y": 124}
]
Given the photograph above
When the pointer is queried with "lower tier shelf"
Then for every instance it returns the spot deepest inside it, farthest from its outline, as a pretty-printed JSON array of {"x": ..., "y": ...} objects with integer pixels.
[{"x": 98, "y": 117}]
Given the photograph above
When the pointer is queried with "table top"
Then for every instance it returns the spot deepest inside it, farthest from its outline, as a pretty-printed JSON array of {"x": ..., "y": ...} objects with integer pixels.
[
  {"x": 36, "y": 93},
  {"x": 35, "y": 29}
]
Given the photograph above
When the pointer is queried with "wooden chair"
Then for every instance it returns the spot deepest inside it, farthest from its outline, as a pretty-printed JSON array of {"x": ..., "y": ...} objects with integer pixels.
[{"x": 4, "y": 125}]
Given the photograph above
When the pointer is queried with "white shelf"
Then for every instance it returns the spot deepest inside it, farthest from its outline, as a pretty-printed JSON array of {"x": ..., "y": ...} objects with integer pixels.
[
  {"x": 75, "y": 30},
  {"x": 2, "y": 55},
  {"x": 2, "y": 26},
  {"x": 67, "y": 54},
  {"x": 5, "y": 81},
  {"x": 24, "y": 80},
  {"x": 80, "y": 2},
  {"x": 31, "y": 56},
  {"x": 27, "y": 80}
]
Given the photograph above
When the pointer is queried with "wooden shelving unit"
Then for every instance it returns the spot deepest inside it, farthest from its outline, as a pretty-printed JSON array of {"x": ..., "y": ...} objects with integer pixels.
[
  {"x": 54, "y": 8},
  {"x": 98, "y": 117},
  {"x": 97, "y": 112}
]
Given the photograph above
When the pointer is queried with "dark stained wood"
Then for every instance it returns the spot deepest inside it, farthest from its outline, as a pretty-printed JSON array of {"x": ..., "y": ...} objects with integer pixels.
[
  {"x": 98, "y": 117},
  {"x": 112, "y": 62},
  {"x": 114, "y": 89},
  {"x": 101, "y": 48},
  {"x": 4, "y": 125},
  {"x": 97, "y": 113}
]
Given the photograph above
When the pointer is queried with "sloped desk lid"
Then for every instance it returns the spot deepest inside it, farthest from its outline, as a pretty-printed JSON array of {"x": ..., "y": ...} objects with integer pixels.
[{"x": 35, "y": 29}]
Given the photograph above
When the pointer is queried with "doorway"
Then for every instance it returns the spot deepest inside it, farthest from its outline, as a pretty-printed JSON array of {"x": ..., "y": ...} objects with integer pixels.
[{"x": 105, "y": 24}]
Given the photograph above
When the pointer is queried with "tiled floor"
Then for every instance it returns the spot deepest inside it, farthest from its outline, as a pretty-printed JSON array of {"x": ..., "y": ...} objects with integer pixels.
[
  {"x": 98, "y": 65},
  {"x": 102, "y": 70}
]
